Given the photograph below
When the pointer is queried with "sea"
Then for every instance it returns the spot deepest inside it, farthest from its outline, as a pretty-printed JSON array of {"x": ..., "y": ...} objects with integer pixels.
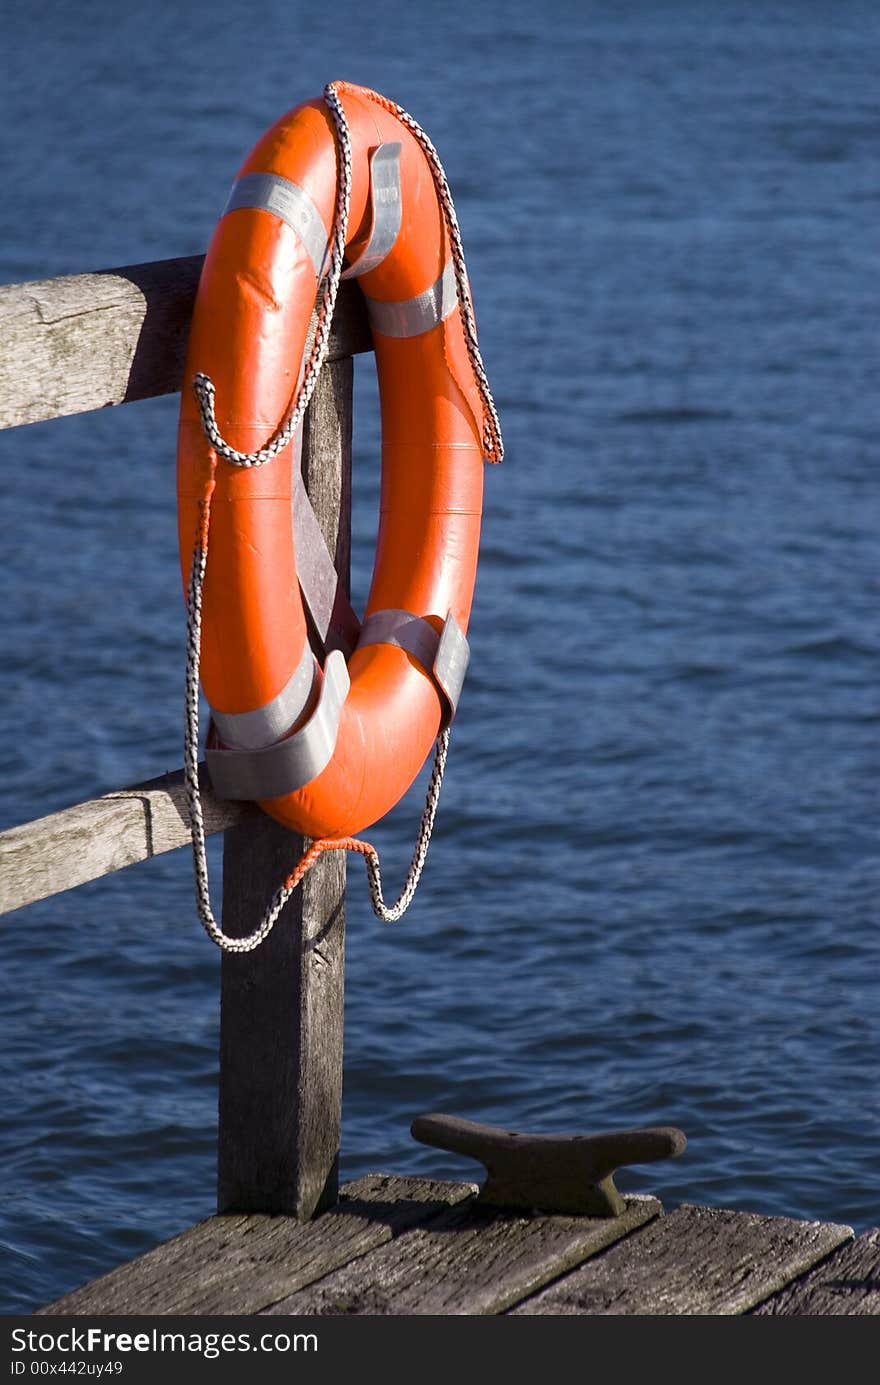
[{"x": 652, "y": 893}]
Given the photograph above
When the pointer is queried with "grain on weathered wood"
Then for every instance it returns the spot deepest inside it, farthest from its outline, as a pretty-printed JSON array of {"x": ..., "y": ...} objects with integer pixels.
[
  {"x": 78, "y": 844},
  {"x": 281, "y": 1007},
  {"x": 280, "y": 1085},
  {"x": 848, "y": 1282},
  {"x": 467, "y": 1261},
  {"x": 234, "y": 1265},
  {"x": 695, "y": 1261},
  {"x": 327, "y": 435},
  {"x": 83, "y": 341}
]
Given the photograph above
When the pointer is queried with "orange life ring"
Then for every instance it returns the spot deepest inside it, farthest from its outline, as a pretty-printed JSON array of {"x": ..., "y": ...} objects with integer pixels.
[{"x": 328, "y": 751}]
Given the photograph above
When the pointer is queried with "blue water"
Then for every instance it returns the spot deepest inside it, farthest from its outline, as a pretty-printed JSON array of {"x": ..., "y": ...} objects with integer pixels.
[{"x": 652, "y": 892}]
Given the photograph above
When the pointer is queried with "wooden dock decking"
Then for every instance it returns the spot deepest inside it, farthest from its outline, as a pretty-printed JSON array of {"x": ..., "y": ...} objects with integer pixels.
[{"x": 407, "y": 1246}]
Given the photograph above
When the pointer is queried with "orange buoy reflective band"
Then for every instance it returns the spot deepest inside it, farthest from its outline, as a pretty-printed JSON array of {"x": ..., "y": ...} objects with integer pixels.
[{"x": 329, "y": 750}]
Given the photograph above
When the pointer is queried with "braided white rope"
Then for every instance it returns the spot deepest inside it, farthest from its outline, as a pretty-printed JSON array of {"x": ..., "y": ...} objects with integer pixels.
[
  {"x": 493, "y": 442},
  {"x": 420, "y": 852},
  {"x": 191, "y": 780},
  {"x": 204, "y": 386}
]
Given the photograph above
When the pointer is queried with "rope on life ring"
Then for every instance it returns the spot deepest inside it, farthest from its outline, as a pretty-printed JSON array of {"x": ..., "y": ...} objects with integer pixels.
[{"x": 437, "y": 657}]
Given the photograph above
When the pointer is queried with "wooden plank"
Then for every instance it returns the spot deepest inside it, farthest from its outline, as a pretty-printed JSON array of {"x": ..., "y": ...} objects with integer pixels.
[
  {"x": 847, "y": 1282},
  {"x": 281, "y": 1009},
  {"x": 241, "y": 1264},
  {"x": 84, "y": 341},
  {"x": 469, "y": 1260},
  {"x": 82, "y": 843},
  {"x": 696, "y": 1260}
]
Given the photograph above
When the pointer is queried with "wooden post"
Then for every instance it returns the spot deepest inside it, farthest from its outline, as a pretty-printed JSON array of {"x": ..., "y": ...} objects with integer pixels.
[{"x": 281, "y": 1007}]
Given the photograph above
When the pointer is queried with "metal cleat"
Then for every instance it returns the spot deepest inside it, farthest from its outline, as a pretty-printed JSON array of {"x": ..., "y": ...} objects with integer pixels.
[{"x": 569, "y": 1174}]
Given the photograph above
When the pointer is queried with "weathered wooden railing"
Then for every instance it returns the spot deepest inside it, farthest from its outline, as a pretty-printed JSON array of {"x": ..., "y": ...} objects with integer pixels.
[{"x": 81, "y": 342}]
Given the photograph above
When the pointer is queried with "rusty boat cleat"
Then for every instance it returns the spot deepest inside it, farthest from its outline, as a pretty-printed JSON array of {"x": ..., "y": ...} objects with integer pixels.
[{"x": 569, "y": 1174}]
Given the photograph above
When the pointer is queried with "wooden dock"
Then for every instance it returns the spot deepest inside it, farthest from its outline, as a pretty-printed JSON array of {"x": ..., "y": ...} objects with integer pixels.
[
  {"x": 406, "y": 1246},
  {"x": 286, "y": 1240}
]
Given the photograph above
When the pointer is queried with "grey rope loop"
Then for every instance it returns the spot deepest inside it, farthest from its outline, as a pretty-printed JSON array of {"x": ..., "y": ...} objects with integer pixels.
[
  {"x": 205, "y": 393},
  {"x": 387, "y": 913},
  {"x": 204, "y": 386},
  {"x": 420, "y": 852},
  {"x": 191, "y": 780}
]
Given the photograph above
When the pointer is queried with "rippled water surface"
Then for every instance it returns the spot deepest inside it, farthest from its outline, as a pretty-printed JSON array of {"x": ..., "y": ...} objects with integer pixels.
[{"x": 652, "y": 893}]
